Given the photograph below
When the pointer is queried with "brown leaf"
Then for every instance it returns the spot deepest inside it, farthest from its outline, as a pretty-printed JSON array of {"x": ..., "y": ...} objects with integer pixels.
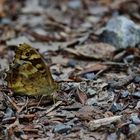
[
  {"x": 85, "y": 113},
  {"x": 81, "y": 96},
  {"x": 93, "y": 68},
  {"x": 94, "y": 51}
]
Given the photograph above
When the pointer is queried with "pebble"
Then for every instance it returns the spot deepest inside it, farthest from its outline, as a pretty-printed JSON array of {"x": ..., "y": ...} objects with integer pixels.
[
  {"x": 124, "y": 94},
  {"x": 137, "y": 79},
  {"x": 89, "y": 76},
  {"x": 138, "y": 105},
  {"x": 8, "y": 113},
  {"x": 5, "y": 21},
  {"x": 132, "y": 128},
  {"x": 135, "y": 119},
  {"x": 74, "y": 4},
  {"x": 61, "y": 128},
  {"x": 72, "y": 63},
  {"x": 116, "y": 107},
  {"x": 90, "y": 92},
  {"x": 91, "y": 101},
  {"x": 130, "y": 58},
  {"x": 136, "y": 94}
]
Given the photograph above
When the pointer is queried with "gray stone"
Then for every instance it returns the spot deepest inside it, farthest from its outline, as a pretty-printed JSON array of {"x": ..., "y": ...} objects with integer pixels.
[
  {"x": 8, "y": 113},
  {"x": 137, "y": 79},
  {"x": 124, "y": 93},
  {"x": 74, "y": 4},
  {"x": 136, "y": 94},
  {"x": 72, "y": 63},
  {"x": 121, "y": 32},
  {"x": 89, "y": 76},
  {"x": 116, "y": 107},
  {"x": 132, "y": 128},
  {"x": 61, "y": 128},
  {"x": 91, "y": 101},
  {"x": 138, "y": 105},
  {"x": 135, "y": 119},
  {"x": 91, "y": 92}
]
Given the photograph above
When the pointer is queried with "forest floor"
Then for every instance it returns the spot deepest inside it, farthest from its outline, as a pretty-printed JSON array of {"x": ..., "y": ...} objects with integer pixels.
[{"x": 99, "y": 98}]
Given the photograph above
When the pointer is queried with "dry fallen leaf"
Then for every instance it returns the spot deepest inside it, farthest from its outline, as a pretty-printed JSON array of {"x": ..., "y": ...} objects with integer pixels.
[
  {"x": 81, "y": 96},
  {"x": 94, "y": 51}
]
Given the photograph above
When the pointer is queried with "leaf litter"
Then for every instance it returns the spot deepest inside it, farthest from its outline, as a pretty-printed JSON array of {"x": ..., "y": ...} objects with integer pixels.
[{"x": 100, "y": 84}]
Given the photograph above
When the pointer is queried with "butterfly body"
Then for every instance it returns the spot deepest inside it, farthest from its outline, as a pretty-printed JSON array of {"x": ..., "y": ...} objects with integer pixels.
[{"x": 29, "y": 74}]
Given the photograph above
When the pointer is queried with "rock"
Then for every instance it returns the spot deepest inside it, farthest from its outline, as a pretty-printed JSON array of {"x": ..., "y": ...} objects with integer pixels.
[
  {"x": 112, "y": 136},
  {"x": 130, "y": 58},
  {"x": 74, "y": 4},
  {"x": 136, "y": 94},
  {"x": 5, "y": 21},
  {"x": 121, "y": 32},
  {"x": 89, "y": 76},
  {"x": 98, "y": 10},
  {"x": 72, "y": 63},
  {"x": 135, "y": 119},
  {"x": 8, "y": 113},
  {"x": 90, "y": 92},
  {"x": 61, "y": 128},
  {"x": 91, "y": 101},
  {"x": 137, "y": 79},
  {"x": 132, "y": 128},
  {"x": 116, "y": 107},
  {"x": 44, "y": 3},
  {"x": 124, "y": 94},
  {"x": 138, "y": 105}
]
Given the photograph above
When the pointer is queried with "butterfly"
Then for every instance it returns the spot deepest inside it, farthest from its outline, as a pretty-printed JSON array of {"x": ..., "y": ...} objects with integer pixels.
[{"x": 28, "y": 74}]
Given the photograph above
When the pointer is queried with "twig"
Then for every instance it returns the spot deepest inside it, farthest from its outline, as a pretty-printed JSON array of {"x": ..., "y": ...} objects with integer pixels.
[
  {"x": 53, "y": 107},
  {"x": 114, "y": 63},
  {"x": 24, "y": 105},
  {"x": 93, "y": 125},
  {"x": 13, "y": 124},
  {"x": 12, "y": 103}
]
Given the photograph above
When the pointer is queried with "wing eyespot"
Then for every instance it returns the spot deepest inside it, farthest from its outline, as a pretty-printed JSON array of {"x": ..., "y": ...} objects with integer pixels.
[{"x": 27, "y": 54}]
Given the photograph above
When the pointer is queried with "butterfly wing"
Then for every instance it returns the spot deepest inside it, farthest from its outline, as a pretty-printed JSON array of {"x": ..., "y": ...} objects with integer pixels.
[{"x": 30, "y": 75}]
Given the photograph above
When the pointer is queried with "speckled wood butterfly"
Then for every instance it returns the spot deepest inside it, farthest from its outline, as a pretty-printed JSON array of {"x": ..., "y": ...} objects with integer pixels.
[{"x": 28, "y": 74}]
